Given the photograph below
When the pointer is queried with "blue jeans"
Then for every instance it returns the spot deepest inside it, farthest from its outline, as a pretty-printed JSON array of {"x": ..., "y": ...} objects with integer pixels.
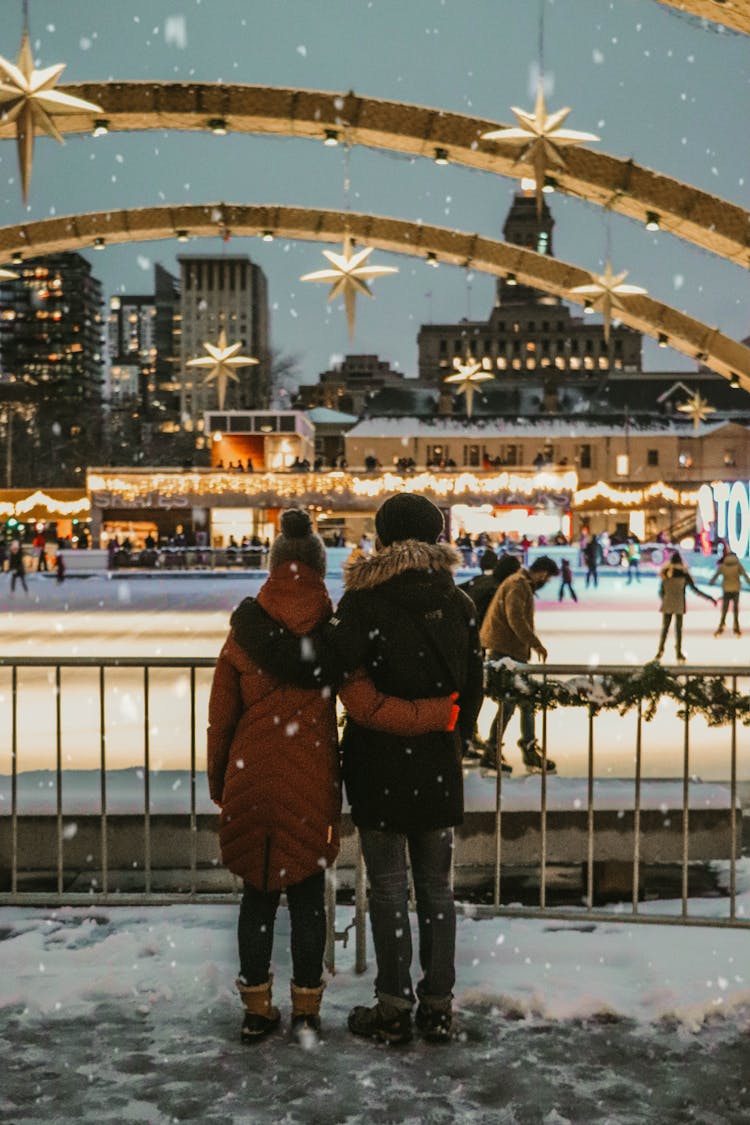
[{"x": 431, "y": 857}]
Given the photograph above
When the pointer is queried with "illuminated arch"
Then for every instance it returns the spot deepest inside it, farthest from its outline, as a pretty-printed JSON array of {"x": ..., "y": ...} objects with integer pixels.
[
  {"x": 732, "y": 13},
  {"x": 487, "y": 255},
  {"x": 623, "y": 186}
]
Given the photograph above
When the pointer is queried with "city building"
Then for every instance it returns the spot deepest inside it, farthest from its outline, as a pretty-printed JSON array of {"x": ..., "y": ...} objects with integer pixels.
[
  {"x": 350, "y": 385},
  {"x": 230, "y": 293},
  {"x": 51, "y": 345}
]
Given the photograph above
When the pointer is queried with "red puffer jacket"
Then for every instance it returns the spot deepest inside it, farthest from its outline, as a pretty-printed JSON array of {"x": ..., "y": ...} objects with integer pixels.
[{"x": 273, "y": 762}]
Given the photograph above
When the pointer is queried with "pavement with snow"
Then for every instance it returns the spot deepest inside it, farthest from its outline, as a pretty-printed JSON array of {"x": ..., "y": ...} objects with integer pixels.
[{"x": 125, "y": 1014}]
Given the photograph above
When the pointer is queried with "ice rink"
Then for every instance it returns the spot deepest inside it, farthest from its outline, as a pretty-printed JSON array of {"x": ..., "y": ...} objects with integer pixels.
[{"x": 188, "y": 617}]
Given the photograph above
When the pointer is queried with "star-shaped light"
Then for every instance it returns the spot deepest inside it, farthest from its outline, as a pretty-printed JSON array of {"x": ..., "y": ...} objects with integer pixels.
[
  {"x": 467, "y": 376},
  {"x": 607, "y": 292},
  {"x": 349, "y": 274},
  {"x": 545, "y": 137},
  {"x": 222, "y": 358},
  {"x": 698, "y": 408},
  {"x": 27, "y": 97}
]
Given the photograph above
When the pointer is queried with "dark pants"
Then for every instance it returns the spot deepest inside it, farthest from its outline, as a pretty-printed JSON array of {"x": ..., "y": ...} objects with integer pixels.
[
  {"x": 255, "y": 931},
  {"x": 431, "y": 856},
  {"x": 570, "y": 587},
  {"x": 634, "y": 568},
  {"x": 732, "y": 599},
  {"x": 592, "y": 575},
  {"x": 666, "y": 619},
  {"x": 42, "y": 564},
  {"x": 15, "y": 575}
]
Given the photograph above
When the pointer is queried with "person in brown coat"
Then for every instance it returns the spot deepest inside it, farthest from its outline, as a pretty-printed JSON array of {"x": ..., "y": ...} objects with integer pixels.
[
  {"x": 508, "y": 631},
  {"x": 273, "y": 769}
]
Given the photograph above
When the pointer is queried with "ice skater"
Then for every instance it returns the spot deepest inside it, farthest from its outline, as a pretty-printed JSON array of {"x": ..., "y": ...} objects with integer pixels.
[
  {"x": 633, "y": 554},
  {"x": 566, "y": 580},
  {"x": 675, "y": 578},
  {"x": 17, "y": 566},
  {"x": 731, "y": 571}
]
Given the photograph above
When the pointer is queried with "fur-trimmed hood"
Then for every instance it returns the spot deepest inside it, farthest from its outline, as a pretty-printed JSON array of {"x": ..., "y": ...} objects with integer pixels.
[{"x": 408, "y": 554}]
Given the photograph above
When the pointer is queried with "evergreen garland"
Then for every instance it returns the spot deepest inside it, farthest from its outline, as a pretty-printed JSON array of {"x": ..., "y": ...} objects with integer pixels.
[{"x": 709, "y": 696}]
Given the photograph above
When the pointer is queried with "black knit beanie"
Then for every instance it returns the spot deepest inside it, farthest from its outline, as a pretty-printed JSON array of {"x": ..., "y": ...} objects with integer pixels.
[
  {"x": 298, "y": 543},
  {"x": 407, "y": 516}
]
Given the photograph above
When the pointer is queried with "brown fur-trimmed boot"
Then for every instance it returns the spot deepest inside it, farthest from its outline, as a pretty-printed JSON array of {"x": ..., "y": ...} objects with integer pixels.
[
  {"x": 306, "y": 1014},
  {"x": 260, "y": 1015}
]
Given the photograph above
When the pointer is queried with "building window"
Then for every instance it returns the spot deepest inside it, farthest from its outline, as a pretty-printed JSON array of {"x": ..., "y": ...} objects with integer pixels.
[
  {"x": 510, "y": 455},
  {"x": 622, "y": 465},
  {"x": 443, "y": 347},
  {"x": 584, "y": 456},
  {"x": 471, "y": 456},
  {"x": 652, "y": 457}
]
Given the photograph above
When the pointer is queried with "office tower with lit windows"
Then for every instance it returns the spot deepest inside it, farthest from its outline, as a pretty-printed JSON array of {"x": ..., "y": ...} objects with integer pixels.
[
  {"x": 228, "y": 292},
  {"x": 51, "y": 347}
]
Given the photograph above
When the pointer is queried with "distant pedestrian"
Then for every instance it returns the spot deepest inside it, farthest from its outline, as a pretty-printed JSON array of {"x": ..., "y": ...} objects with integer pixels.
[
  {"x": 731, "y": 571},
  {"x": 59, "y": 567},
  {"x": 675, "y": 578},
  {"x": 590, "y": 554},
  {"x": 17, "y": 566},
  {"x": 566, "y": 581},
  {"x": 40, "y": 545},
  {"x": 634, "y": 560}
]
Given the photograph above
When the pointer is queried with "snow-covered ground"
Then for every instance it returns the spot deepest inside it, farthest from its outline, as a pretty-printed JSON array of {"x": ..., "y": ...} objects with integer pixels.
[{"x": 125, "y": 1014}]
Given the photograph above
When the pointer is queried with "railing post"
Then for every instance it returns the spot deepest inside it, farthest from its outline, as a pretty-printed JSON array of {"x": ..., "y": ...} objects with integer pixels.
[
  {"x": 360, "y": 911},
  {"x": 499, "y": 800},
  {"x": 14, "y": 783},
  {"x": 637, "y": 805},
  {"x": 543, "y": 806},
  {"x": 329, "y": 956},
  {"x": 146, "y": 782},
  {"x": 685, "y": 799},
  {"x": 590, "y": 814},
  {"x": 733, "y": 813},
  {"x": 103, "y": 780},
  {"x": 193, "y": 817},
  {"x": 58, "y": 773}
]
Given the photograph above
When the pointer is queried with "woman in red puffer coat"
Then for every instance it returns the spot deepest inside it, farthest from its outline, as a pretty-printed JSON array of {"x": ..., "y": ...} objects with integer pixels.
[{"x": 273, "y": 768}]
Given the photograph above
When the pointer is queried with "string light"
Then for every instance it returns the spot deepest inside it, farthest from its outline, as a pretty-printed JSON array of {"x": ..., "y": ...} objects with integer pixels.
[
  {"x": 182, "y": 236},
  {"x": 734, "y": 382},
  {"x": 431, "y": 259},
  {"x": 99, "y": 244},
  {"x": 662, "y": 340},
  {"x": 267, "y": 236},
  {"x": 218, "y": 126},
  {"x": 330, "y": 138},
  {"x": 101, "y": 127},
  {"x": 652, "y": 221},
  {"x": 441, "y": 156},
  {"x": 511, "y": 279}
]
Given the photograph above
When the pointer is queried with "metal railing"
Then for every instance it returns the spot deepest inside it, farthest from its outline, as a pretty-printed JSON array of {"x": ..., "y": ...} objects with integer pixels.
[{"x": 688, "y": 819}]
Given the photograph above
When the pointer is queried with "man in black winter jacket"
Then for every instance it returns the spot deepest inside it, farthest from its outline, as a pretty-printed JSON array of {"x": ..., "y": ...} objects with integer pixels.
[{"x": 403, "y": 619}]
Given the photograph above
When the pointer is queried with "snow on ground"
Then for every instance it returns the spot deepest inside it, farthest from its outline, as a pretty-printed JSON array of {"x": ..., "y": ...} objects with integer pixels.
[{"x": 129, "y": 1014}]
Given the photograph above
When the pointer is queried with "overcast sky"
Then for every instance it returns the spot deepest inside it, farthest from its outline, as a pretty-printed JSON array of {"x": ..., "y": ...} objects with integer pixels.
[{"x": 657, "y": 86}]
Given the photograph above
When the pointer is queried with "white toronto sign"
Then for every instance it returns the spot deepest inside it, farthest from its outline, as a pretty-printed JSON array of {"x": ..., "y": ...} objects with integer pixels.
[{"x": 724, "y": 511}]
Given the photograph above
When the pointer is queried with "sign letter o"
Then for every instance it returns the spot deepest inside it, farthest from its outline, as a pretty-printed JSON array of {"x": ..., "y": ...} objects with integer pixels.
[{"x": 738, "y": 518}]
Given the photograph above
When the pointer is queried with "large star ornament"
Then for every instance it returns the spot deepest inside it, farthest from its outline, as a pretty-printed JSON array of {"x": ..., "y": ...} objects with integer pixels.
[
  {"x": 349, "y": 274},
  {"x": 545, "y": 137},
  {"x": 467, "y": 376},
  {"x": 27, "y": 98},
  {"x": 607, "y": 292},
  {"x": 222, "y": 358},
  {"x": 698, "y": 408}
]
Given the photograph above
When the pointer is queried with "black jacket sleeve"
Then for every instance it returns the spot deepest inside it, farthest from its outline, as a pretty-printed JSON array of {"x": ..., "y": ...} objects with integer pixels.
[{"x": 308, "y": 662}]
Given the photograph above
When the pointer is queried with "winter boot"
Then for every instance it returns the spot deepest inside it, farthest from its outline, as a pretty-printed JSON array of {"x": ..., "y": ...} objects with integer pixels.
[
  {"x": 488, "y": 760},
  {"x": 306, "y": 1014},
  {"x": 533, "y": 760},
  {"x": 260, "y": 1015},
  {"x": 434, "y": 1019},
  {"x": 384, "y": 1021}
]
